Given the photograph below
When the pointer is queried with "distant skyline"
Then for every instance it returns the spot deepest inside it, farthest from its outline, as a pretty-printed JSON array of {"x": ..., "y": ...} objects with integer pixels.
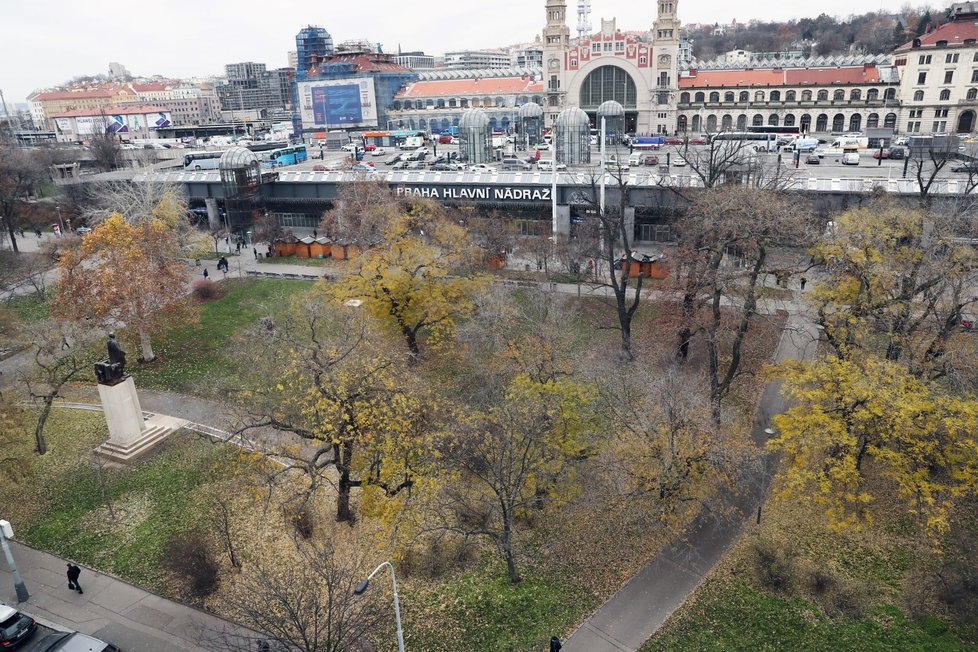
[{"x": 47, "y": 42}]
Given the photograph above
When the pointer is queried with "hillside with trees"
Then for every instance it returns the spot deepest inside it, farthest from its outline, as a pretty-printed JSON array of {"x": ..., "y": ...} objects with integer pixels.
[{"x": 871, "y": 33}]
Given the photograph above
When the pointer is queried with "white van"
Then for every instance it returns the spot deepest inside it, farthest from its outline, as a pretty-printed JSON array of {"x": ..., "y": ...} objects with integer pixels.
[
  {"x": 636, "y": 158},
  {"x": 851, "y": 142},
  {"x": 850, "y": 158},
  {"x": 515, "y": 165}
]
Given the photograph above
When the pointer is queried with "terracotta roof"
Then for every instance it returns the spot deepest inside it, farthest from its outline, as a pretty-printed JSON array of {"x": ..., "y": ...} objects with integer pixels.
[
  {"x": 148, "y": 87},
  {"x": 121, "y": 109},
  {"x": 955, "y": 32},
  {"x": 867, "y": 74},
  {"x": 483, "y": 86},
  {"x": 366, "y": 62},
  {"x": 71, "y": 95}
]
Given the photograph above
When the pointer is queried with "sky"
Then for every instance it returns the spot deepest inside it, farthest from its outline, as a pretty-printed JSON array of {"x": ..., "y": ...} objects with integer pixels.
[{"x": 46, "y": 42}]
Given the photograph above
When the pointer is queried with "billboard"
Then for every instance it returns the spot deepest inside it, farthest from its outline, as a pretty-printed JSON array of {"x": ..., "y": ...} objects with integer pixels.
[{"x": 338, "y": 104}]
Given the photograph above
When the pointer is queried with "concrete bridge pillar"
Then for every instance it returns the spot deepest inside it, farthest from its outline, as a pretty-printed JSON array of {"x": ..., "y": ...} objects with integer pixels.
[
  {"x": 563, "y": 221},
  {"x": 213, "y": 215}
]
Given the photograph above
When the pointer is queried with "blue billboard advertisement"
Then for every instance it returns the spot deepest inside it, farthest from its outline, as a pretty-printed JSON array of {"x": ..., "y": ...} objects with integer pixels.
[{"x": 338, "y": 104}]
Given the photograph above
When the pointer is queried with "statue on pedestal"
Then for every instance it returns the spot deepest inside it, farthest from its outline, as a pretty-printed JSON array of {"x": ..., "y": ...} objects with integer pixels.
[{"x": 113, "y": 370}]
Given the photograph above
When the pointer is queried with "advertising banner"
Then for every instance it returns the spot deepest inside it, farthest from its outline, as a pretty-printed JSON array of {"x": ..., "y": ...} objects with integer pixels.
[{"x": 339, "y": 104}]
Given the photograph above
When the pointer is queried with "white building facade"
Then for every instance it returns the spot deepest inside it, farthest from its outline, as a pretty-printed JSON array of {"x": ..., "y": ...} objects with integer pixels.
[{"x": 637, "y": 71}]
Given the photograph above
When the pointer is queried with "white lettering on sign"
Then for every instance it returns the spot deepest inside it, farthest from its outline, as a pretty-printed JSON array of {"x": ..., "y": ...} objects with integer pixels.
[{"x": 474, "y": 194}]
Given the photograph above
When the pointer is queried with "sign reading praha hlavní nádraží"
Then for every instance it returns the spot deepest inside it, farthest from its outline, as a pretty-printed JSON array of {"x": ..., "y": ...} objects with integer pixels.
[{"x": 486, "y": 193}]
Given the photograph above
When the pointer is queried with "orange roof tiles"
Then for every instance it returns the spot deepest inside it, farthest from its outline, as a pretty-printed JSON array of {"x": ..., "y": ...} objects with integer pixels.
[
  {"x": 121, "y": 109},
  {"x": 481, "y": 86},
  {"x": 955, "y": 33},
  {"x": 781, "y": 77}
]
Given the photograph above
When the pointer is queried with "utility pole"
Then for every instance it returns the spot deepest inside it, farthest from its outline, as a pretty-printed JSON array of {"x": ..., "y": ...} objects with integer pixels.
[
  {"x": 6, "y": 114},
  {"x": 7, "y": 532}
]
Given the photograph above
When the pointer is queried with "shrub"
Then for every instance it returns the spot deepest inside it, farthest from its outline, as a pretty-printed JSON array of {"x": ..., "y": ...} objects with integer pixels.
[
  {"x": 303, "y": 524},
  {"x": 189, "y": 556},
  {"x": 775, "y": 565},
  {"x": 847, "y": 600},
  {"x": 205, "y": 290}
]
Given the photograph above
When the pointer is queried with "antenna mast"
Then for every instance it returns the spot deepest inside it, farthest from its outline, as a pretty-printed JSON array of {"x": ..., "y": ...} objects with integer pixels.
[{"x": 583, "y": 18}]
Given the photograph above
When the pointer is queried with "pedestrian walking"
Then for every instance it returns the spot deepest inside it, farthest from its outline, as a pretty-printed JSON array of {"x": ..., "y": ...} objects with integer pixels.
[
  {"x": 255, "y": 251},
  {"x": 205, "y": 273},
  {"x": 238, "y": 246},
  {"x": 555, "y": 644},
  {"x": 803, "y": 282},
  {"x": 314, "y": 234},
  {"x": 37, "y": 232},
  {"x": 73, "y": 573}
]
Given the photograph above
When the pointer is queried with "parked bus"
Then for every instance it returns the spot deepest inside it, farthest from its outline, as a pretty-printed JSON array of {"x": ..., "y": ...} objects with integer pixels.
[
  {"x": 781, "y": 131},
  {"x": 760, "y": 142},
  {"x": 287, "y": 156},
  {"x": 202, "y": 161}
]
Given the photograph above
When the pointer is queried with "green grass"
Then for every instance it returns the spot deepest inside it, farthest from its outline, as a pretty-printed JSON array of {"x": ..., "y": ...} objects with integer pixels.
[
  {"x": 481, "y": 610},
  {"x": 31, "y": 308},
  {"x": 153, "y": 500},
  {"x": 732, "y": 615},
  {"x": 192, "y": 360}
]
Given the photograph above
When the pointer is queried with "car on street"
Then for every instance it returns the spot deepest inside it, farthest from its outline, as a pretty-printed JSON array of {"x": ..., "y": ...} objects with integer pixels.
[
  {"x": 673, "y": 140},
  {"x": 813, "y": 159},
  {"x": 400, "y": 165},
  {"x": 71, "y": 642},
  {"x": 393, "y": 160},
  {"x": 369, "y": 148},
  {"x": 543, "y": 146},
  {"x": 482, "y": 167},
  {"x": 898, "y": 153},
  {"x": 349, "y": 148},
  {"x": 360, "y": 167},
  {"x": 697, "y": 141},
  {"x": 454, "y": 141},
  {"x": 415, "y": 165},
  {"x": 970, "y": 168},
  {"x": 379, "y": 151},
  {"x": 850, "y": 158},
  {"x": 650, "y": 159},
  {"x": 548, "y": 165},
  {"x": 444, "y": 140},
  {"x": 15, "y": 627},
  {"x": 679, "y": 162}
]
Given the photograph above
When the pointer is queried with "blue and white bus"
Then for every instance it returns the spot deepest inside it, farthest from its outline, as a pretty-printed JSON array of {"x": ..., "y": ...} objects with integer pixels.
[
  {"x": 286, "y": 156},
  {"x": 202, "y": 161}
]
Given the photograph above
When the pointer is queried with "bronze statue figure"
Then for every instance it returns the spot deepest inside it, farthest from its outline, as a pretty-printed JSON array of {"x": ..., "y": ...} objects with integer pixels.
[{"x": 113, "y": 370}]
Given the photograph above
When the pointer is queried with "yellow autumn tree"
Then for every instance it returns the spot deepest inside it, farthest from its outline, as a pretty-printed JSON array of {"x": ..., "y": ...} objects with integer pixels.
[
  {"x": 515, "y": 453},
  {"x": 413, "y": 281},
  {"x": 861, "y": 423},
  {"x": 127, "y": 273},
  {"x": 331, "y": 382}
]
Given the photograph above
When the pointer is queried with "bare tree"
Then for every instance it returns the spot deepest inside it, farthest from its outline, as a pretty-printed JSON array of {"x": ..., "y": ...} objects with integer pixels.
[
  {"x": 302, "y": 599},
  {"x": 104, "y": 145},
  {"x": 927, "y": 162},
  {"x": 21, "y": 173},
  {"x": 136, "y": 201},
  {"x": 60, "y": 356},
  {"x": 361, "y": 213}
]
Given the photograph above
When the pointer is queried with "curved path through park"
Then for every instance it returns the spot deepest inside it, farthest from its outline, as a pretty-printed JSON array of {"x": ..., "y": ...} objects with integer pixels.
[{"x": 626, "y": 621}]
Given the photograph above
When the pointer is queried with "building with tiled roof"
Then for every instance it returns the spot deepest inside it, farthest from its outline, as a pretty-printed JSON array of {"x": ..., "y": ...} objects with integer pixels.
[
  {"x": 436, "y": 104},
  {"x": 125, "y": 121},
  {"x": 939, "y": 76},
  {"x": 813, "y": 99}
]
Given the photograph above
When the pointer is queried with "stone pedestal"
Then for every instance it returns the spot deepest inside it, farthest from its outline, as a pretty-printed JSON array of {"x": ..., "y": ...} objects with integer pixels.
[{"x": 130, "y": 436}]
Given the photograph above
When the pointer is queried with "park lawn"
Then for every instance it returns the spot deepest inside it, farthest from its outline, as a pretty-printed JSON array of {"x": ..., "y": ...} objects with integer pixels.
[
  {"x": 31, "y": 308},
  {"x": 61, "y": 508},
  {"x": 197, "y": 358},
  {"x": 292, "y": 260},
  {"x": 731, "y": 614},
  {"x": 733, "y": 610}
]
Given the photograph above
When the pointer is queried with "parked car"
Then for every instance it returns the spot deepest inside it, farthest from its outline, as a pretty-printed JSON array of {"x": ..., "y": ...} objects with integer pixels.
[
  {"x": 898, "y": 153},
  {"x": 813, "y": 159},
  {"x": 360, "y": 167},
  {"x": 515, "y": 165},
  {"x": 970, "y": 168},
  {"x": 71, "y": 642},
  {"x": 697, "y": 141},
  {"x": 482, "y": 167},
  {"x": 15, "y": 627},
  {"x": 673, "y": 140},
  {"x": 850, "y": 158},
  {"x": 547, "y": 165},
  {"x": 379, "y": 151},
  {"x": 444, "y": 139},
  {"x": 400, "y": 165},
  {"x": 319, "y": 168},
  {"x": 369, "y": 148},
  {"x": 393, "y": 160},
  {"x": 415, "y": 165},
  {"x": 679, "y": 162},
  {"x": 543, "y": 146},
  {"x": 650, "y": 159},
  {"x": 881, "y": 153},
  {"x": 349, "y": 148}
]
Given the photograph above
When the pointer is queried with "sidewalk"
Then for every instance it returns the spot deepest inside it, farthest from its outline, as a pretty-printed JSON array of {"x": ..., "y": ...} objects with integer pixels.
[
  {"x": 626, "y": 621},
  {"x": 110, "y": 609}
]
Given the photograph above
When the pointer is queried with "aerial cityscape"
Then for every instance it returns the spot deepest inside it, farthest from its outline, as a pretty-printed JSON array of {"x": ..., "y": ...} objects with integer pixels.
[{"x": 513, "y": 328}]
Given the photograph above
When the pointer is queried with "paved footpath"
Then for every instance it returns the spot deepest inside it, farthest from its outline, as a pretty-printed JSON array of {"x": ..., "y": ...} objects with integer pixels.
[
  {"x": 110, "y": 609},
  {"x": 626, "y": 621}
]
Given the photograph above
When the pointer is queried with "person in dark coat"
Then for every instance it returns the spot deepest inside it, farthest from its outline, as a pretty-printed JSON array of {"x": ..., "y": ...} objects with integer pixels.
[
  {"x": 205, "y": 273},
  {"x": 73, "y": 573},
  {"x": 255, "y": 251},
  {"x": 555, "y": 644}
]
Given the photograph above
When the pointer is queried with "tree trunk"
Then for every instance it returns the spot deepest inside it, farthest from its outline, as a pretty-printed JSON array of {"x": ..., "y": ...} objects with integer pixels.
[
  {"x": 9, "y": 219},
  {"x": 343, "y": 512},
  {"x": 412, "y": 343},
  {"x": 507, "y": 543},
  {"x": 42, "y": 446},
  {"x": 147, "y": 346}
]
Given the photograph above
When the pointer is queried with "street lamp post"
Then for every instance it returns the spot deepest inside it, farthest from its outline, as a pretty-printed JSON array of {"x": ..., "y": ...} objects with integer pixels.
[
  {"x": 7, "y": 532},
  {"x": 362, "y": 587}
]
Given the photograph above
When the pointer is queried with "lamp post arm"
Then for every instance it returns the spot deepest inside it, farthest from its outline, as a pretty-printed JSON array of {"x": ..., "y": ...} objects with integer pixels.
[{"x": 397, "y": 604}]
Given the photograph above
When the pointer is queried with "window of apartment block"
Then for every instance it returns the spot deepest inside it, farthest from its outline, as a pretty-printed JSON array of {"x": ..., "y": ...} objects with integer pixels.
[
  {"x": 974, "y": 76},
  {"x": 921, "y": 77},
  {"x": 948, "y": 76},
  {"x": 951, "y": 58}
]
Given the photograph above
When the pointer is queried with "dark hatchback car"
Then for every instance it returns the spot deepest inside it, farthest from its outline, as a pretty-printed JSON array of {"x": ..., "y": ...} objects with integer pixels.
[
  {"x": 15, "y": 627},
  {"x": 813, "y": 159},
  {"x": 71, "y": 642}
]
